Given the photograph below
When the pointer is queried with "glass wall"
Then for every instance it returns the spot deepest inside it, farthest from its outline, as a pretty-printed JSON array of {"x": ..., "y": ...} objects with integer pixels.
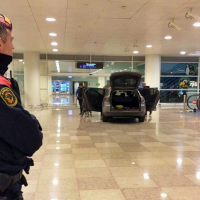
[{"x": 177, "y": 80}]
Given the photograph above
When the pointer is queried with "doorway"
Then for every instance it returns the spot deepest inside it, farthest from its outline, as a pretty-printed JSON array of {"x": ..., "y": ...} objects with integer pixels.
[{"x": 76, "y": 85}]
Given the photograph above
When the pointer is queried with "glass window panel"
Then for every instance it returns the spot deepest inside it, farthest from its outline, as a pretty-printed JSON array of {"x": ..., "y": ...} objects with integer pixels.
[
  {"x": 175, "y": 96},
  {"x": 185, "y": 69},
  {"x": 178, "y": 82}
]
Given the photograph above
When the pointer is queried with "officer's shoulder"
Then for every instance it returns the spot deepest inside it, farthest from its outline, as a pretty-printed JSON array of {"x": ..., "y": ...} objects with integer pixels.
[{"x": 8, "y": 96}]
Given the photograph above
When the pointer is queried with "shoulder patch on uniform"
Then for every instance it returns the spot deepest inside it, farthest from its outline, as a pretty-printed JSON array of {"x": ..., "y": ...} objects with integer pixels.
[{"x": 8, "y": 96}]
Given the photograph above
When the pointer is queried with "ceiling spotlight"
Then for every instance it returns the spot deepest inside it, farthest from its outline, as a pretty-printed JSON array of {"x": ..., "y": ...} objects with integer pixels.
[
  {"x": 53, "y": 34},
  {"x": 57, "y": 61},
  {"x": 135, "y": 52},
  {"x": 20, "y": 60},
  {"x": 54, "y": 43},
  {"x": 50, "y": 19},
  {"x": 149, "y": 46},
  {"x": 55, "y": 50},
  {"x": 182, "y": 52},
  {"x": 191, "y": 15},
  {"x": 197, "y": 24},
  {"x": 168, "y": 37}
]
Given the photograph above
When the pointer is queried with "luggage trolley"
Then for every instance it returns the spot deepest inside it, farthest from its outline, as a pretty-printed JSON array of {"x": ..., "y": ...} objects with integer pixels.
[{"x": 87, "y": 111}]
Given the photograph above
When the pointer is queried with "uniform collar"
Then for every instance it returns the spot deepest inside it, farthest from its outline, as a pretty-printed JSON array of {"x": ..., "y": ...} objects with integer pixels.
[
  {"x": 4, "y": 81},
  {"x": 5, "y": 60}
]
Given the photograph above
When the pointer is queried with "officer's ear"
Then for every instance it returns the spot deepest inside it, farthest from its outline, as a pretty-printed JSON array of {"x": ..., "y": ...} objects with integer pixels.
[{"x": 1, "y": 45}]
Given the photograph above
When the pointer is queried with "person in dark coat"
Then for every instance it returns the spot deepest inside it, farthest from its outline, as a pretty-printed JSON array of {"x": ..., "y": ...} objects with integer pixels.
[
  {"x": 20, "y": 131},
  {"x": 79, "y": 96}
]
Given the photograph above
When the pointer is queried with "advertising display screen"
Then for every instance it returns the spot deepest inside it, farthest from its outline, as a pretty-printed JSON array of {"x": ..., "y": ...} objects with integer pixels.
[{"x": 88, "y": 65}]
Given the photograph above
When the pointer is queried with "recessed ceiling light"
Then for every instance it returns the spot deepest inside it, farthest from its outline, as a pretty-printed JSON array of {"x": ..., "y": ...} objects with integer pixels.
[
  {"x": 50, "y": 19},
  {"x": 54, "y": 43},
  {"x": 149, "y": 46},
  {"x": 168, "y": 37},
  {"x": 55, "y": 50},
  {"x": 135, "y": 52},
  {"x": 197, "y": 24},
  {"x": 183, "y": 52},
  {"x": 53, "y": 34},
  {"x": 57, "y": 61},
  {"x": 20, "y": 60}
]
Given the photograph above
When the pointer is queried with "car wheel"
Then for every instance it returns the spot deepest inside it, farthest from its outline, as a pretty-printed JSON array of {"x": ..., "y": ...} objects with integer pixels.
[
  {"x": 104, "y": 118},
  {"x": 141, "y": 119}
]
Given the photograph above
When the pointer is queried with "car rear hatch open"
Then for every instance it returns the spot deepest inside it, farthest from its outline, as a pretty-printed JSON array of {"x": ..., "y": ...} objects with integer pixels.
[{"x": 125, "y": 80}]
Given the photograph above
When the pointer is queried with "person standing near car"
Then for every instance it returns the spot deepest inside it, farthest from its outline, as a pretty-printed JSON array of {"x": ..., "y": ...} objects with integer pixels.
[
  {"x": 20, "y": 132},
  {"x": 79, "y": 96}
]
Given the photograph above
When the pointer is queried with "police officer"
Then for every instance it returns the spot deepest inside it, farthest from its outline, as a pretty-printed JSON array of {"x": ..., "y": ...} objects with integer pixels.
[
  {"x": 20, "y": 132},
  {"x": 79, "y": 96}
]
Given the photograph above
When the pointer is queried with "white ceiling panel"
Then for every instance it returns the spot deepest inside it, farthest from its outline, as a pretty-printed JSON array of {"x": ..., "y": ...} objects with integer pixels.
[
  {"x": 102, "y": 26},
  {"x": 48, "y": 3}
]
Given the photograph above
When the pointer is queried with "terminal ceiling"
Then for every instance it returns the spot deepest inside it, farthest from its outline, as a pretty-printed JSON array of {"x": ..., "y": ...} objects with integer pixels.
[{"x": 103, "y": 27}]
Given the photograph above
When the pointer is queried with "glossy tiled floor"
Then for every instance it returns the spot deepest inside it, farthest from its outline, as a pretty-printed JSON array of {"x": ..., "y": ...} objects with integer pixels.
[{"x": 85, "y": 159}]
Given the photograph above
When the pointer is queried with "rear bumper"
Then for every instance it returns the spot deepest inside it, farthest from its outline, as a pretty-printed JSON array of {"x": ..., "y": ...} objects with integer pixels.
[{"x": 124, "y": 113}]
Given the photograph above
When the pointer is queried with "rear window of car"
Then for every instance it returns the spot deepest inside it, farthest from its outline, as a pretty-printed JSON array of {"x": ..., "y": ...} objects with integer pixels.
[{"x": 124, "y": 82}]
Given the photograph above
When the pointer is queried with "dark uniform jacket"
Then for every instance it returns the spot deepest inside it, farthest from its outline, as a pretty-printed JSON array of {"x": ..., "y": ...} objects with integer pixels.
[{"x": 20, "y": 135}]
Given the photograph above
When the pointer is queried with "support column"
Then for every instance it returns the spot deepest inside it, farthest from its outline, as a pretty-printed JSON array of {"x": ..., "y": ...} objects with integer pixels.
[
  {"x": 101, "y": 81},
  {"x": 49, "y": 86},
  {"x": 32, "y": 78},
  {"x": 152, "y": 70}
]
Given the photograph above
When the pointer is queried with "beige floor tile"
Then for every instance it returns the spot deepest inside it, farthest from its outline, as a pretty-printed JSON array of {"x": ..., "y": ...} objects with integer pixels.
[
  {"x": 188, "y": 169},
  {"x": 67, "y": 195},
  {"x": 134, "y": 182},
  {"x": 57, "y": 174},
  {"x": 171, "y": 180},
  {"x": 159, "y": 170},
  {"x": 182, "y": 193},
  {"x": 31, "y": 188},
  {"x": 83, "y": 145},
  {"x": 119, "y": 155},
  {"x": 141, "y": 155},
  {"x": 62, "y": 185},
  {"x": 87, "y": 156},
  {"x": 184, "y": 148},
  {"x": 119, "y": 162},
  {"x": 89, "y": 163},
  {"x": 123, "y": 139},
  {"x": 52, "y": 165},
  {"x": 61, "y": 146},
  {"x": 29, "y": 196},
  {"x": 102, "y": 195},
  {"x": 98, "y": 134},
  {"x": 135, "y": 149},
  {"x": 152, "y": 144},
  {"x": 150, "y": 162},
  {"x": 110, "y": 150},
  {"x": 79, "y": 137},
  {"x": 144, "y": 194},
  {"x": 57, "y": 158},
  {"x": 179, "y": 161},
  {"x": 106, "y": 145},
  {"x": 102, "y": 139},
  {"x": 97, "y": 183},
  {"x": 195, "y": 178},
  {"x": 135, "y": 133},
  {"x": 93, "y": 172},
  {"x": 84, "y": 150},
  {"x": 126, "y": 171}
]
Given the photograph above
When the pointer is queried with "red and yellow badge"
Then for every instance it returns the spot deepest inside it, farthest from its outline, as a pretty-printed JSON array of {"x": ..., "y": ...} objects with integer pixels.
[{"x": 8, "y": 96}]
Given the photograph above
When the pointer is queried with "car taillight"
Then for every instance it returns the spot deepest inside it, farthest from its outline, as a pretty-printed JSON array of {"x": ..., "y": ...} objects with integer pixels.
[
  {"x": 143, "y": 100},
  {"x": 108, "y": 100}
]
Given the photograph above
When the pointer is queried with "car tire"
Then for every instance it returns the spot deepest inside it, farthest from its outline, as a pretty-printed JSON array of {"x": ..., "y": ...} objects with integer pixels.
[
  {"x": 141, "y": 119},
  {"x": 104, "y": 118}
]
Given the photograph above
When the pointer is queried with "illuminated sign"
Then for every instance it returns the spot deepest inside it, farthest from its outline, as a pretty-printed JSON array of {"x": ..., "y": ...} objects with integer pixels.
[{"x": 87, "y": 65}]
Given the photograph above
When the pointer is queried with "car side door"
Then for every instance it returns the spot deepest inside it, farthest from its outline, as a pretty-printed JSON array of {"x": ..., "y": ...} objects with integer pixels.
[{"x": 93, "y": 98}]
